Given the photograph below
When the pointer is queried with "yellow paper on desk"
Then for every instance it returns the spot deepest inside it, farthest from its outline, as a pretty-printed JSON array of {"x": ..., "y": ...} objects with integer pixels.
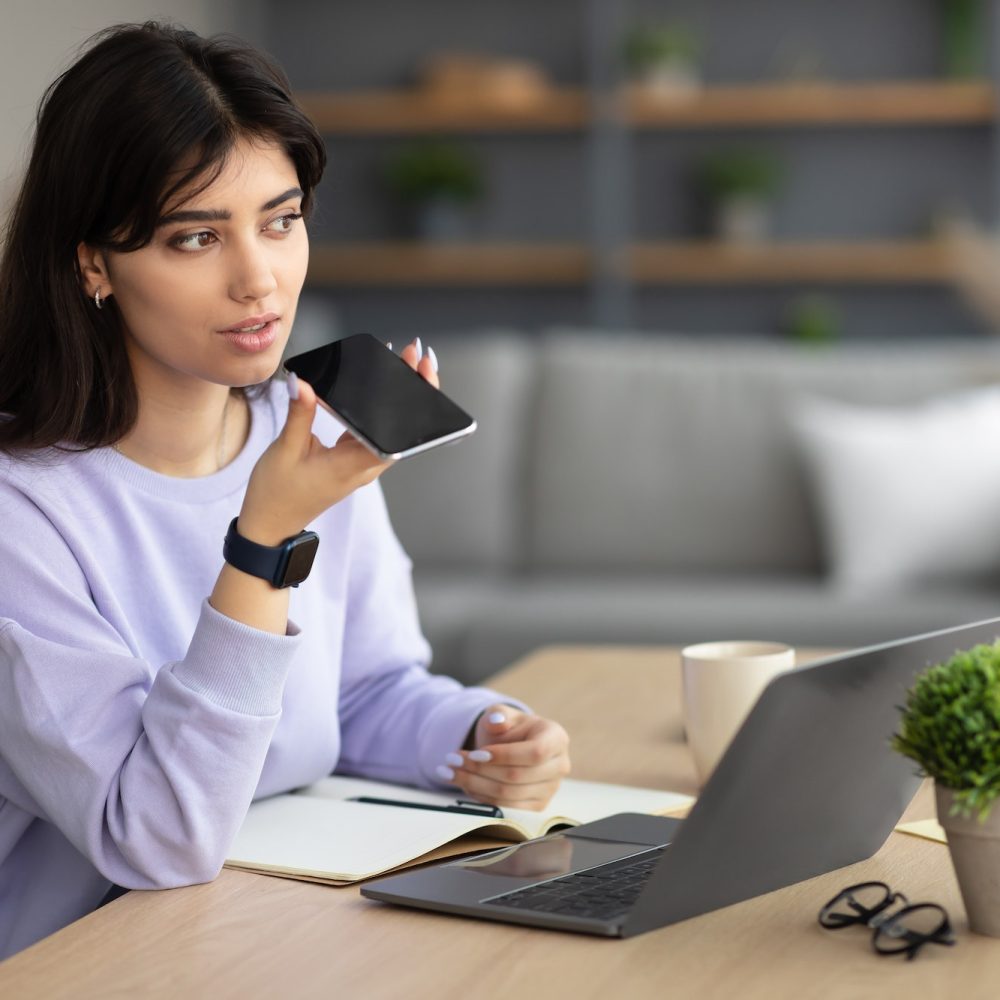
[
  {"x": 319, "y": 834},
  {"x": 929, "y": 829}
]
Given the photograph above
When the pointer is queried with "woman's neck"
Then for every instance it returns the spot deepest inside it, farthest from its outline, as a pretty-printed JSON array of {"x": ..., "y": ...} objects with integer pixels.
[{"x": 188, "y": 438}]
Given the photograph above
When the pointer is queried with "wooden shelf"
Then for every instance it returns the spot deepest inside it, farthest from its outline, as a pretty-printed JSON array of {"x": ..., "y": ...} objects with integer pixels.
[
  {"x": 373, "y": 112},
  {"x": 415, "y": 264},
  {"x": 373, "y": 264},
  {"x": 761, "y": 105},
  {"x": 848, "y": 262},
  {"x": 906, "y": 103}
]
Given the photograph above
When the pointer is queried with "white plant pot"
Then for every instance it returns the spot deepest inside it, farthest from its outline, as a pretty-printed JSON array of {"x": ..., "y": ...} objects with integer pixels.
[
  {"x": 742, "y": 220},
  {"x": 975, "y": 855},
  {"x": 673, "y": 79}
]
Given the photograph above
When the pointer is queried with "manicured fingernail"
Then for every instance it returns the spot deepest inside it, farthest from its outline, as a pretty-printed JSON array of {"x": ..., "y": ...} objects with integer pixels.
[
  {"x": 497, "y": 717},
  {"x": 482, "y": 756},
  {"x": 419, "y": 347},
  {"x": 444, "y": 772},
  {"x": 388, "y": 344},
  {"x": 455, "y": 759},
  {"x": 293, "y": 385},
  {"x": 433, "y": 357}
]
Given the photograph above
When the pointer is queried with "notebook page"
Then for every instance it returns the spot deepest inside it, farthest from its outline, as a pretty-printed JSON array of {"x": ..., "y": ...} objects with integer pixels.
[
  {"x": 584, "y": 801},
  {"x": 338, "y": 839}
]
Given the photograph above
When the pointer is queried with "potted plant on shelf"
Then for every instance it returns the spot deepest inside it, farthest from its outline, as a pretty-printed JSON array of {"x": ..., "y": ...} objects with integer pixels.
[
  {"x": 663, "y": 59},
  {"x": 813, "y": 319},
  {"x": 963, "y": 33},
  {"x": 438, "y": 183},
  {"x": 950, "y": 726},
  {"x": 739, "y": 185}
]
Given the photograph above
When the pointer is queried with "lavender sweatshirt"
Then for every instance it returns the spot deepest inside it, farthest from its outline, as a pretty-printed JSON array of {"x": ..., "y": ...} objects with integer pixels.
[{"x": 137, "y": 723}]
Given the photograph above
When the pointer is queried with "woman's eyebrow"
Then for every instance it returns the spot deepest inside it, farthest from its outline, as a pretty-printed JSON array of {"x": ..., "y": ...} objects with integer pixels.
[
  {"x": 294, "y": 192},
  {"x": 221, "y": 214}
]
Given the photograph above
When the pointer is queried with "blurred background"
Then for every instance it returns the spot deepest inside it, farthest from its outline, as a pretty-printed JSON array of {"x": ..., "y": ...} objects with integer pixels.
[{"x": 718, "y": 279}]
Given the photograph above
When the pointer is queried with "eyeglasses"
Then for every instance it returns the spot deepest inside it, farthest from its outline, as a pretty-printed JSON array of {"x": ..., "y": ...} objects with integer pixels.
[{"x": 905, "y": 929}]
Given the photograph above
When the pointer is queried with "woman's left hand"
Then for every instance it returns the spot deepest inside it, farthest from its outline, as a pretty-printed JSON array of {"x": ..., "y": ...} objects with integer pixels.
[
  {"x": 422, "y": 361},
  {"x": 519, "y": 760}
]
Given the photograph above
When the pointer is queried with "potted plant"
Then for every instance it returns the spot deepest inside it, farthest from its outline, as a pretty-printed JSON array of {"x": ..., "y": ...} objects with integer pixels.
[
  {"x": 437, "y": 182},
  {"x": 963, "y": 32},
  {"x": 664, "y": 59},
  {"x": 739, "y": 185},
  {"x": 951, "y": 727},
  {"x": 813, "y": 319}
]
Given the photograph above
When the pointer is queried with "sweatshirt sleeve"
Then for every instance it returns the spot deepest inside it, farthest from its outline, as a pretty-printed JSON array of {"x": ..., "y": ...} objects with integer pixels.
[
  {"x": 397, "y": 720},
  {"x": 147, "y": 769}
]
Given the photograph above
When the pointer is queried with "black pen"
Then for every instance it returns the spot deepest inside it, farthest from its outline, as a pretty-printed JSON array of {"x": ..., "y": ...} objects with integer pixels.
[{"x": 461, "y": 806}]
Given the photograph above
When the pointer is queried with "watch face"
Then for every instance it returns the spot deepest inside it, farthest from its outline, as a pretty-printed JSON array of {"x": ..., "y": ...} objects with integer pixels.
[{"x": 300, "y": 560}]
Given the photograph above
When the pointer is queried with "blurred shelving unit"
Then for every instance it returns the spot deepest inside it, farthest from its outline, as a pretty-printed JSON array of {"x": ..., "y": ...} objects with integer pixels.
[
  {"x": 666, "y": 263},
  {"x": 616, "y": 123}
]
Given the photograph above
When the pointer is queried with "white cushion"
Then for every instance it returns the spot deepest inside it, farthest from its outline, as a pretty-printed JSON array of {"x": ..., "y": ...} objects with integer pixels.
[{"x": 906, "y": 495}]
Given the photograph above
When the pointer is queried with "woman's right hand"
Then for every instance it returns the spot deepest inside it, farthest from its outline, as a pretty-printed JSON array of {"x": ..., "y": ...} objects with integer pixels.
[{"x": 297, "y": 477}]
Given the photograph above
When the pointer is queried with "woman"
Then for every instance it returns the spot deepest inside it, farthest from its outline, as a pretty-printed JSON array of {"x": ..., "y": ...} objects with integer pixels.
[{"x": 148, "y": 689}]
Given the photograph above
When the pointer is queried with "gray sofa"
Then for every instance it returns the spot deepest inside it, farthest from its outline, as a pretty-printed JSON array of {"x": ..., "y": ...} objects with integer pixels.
[{"x": 628, "y": 488}]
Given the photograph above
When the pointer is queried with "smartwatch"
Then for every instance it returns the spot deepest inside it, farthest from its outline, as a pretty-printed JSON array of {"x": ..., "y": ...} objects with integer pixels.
[{"x": 284, "y": 565}]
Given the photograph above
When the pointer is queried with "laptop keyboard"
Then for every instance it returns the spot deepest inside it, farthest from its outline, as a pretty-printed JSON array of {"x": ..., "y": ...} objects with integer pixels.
[{"x": 601, "y": 893}]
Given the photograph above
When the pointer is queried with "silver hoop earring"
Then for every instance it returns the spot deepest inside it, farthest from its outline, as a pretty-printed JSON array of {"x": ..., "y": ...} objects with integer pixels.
[{"x": 97, "y": 299}]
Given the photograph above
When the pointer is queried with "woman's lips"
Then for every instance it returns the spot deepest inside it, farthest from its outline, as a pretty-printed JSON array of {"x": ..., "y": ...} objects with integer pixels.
[{"x": 253, "y": 341}]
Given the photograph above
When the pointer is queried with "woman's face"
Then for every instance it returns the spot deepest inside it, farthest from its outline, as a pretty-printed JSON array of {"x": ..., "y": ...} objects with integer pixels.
[{"x": 213, "y": 296}]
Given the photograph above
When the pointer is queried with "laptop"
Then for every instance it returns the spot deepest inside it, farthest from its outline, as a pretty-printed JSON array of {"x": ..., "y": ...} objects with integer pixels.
[{"x": 809, "y": 784}]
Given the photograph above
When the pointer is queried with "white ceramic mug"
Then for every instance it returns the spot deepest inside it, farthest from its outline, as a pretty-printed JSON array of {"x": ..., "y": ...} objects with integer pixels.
[{"x": 722, "y": 680}]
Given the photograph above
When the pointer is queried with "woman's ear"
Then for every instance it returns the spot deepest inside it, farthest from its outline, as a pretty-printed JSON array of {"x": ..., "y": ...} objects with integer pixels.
[{"x": 93, "y": 271}]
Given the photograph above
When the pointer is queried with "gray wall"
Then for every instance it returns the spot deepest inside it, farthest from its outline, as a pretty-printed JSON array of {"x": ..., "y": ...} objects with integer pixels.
[
  {"x": 843, "y": 182},
  {"x": 38, "y": 39}
]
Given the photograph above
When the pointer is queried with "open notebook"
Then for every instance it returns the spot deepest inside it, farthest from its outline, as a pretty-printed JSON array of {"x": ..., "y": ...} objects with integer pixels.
[{"x": 317, "y": 834}]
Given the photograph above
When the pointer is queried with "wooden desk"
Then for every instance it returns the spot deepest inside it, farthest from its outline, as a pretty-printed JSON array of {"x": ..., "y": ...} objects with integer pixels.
[{"x": 252, "y": 936}]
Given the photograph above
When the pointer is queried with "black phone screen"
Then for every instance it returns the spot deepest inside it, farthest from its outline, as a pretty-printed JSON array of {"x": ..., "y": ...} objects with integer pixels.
[{"x": 377, "y": 394}]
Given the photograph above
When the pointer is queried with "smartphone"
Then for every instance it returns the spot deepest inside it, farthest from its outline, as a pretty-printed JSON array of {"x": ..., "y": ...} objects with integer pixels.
[{"x": 383, "y": 402}]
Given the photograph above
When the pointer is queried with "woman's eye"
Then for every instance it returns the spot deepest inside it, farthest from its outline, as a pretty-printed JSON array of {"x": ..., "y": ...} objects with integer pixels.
[
  {"x": 193, "y": 241},
  {"x": 284, "y": 223}
]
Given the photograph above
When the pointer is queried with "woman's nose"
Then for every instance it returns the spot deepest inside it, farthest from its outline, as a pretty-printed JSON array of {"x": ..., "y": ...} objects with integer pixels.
[{"x": 252, "y": 276}]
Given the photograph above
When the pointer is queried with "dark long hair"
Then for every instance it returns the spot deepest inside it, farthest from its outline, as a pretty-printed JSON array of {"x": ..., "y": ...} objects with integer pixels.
[{"x": 145, "y": 112}]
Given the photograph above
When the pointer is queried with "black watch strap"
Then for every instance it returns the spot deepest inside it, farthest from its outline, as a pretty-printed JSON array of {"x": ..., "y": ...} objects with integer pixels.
[{"x": 284, "y": 565}]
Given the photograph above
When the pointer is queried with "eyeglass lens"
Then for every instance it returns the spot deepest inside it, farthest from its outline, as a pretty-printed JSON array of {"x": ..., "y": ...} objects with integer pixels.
[
  {"x": 857, "y": 904},
  {"x": 912, "y": 927}
]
